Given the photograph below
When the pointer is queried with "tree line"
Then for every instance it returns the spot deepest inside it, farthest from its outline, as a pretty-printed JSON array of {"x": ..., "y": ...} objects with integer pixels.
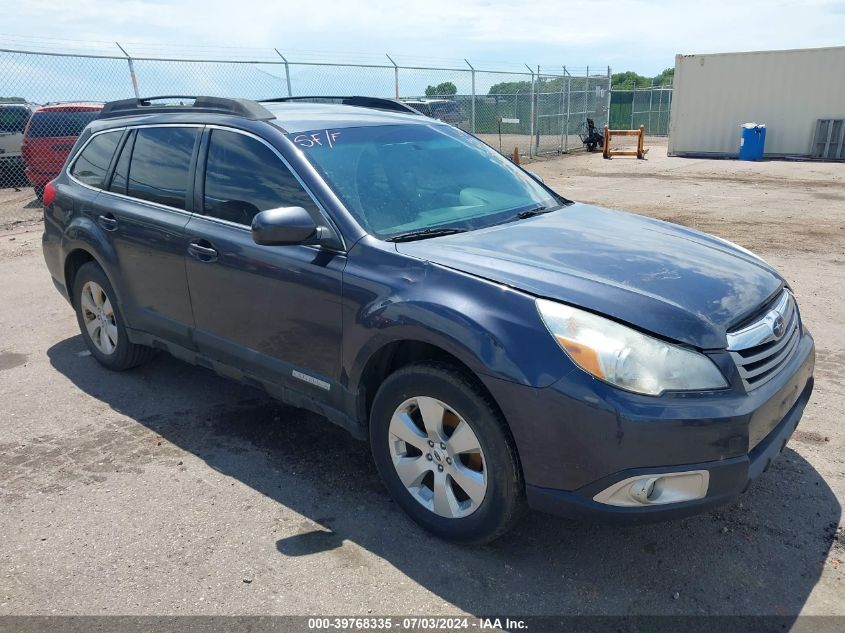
[{"x": 627, "y": 80}]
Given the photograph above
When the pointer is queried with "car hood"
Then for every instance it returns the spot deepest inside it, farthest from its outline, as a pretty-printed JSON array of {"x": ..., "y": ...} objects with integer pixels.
[{"x": 670, "y": 280}]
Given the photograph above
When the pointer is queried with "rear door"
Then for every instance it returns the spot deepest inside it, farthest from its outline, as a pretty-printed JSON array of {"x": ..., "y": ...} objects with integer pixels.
[
  {"x": 143, "y": 212},
  {"x": 273, "y": 311}
]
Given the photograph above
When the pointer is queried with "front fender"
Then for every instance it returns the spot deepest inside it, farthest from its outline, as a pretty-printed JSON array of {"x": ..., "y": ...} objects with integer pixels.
[{"x": 493, "y": 329}]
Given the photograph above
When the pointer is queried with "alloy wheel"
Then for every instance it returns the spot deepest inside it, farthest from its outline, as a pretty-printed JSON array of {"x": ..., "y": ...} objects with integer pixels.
[
  {"x": 98, "y": 316},
  {"x": 438, "y": 457}
]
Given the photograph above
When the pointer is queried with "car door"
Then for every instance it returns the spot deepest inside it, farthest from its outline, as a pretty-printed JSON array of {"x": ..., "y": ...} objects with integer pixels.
[
  {"x": 271, "y": 311},
  {"x": 143, "y": 213}
]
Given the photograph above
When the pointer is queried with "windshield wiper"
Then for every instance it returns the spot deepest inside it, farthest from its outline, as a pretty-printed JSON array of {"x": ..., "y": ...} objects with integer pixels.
[
  {"x": 423, "y": 234},
  {"x": 530, "y": 213}
]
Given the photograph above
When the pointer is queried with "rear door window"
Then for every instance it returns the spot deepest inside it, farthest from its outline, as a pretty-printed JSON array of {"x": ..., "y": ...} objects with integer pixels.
[
  {"x": 161, "y": 160},
  {"x": 59, "y": 124},
  {"x": 243, "y": 176},
  {"x": 93, "y": 163}
]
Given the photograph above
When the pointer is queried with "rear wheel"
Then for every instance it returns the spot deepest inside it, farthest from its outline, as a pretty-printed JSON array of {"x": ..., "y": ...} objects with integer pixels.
[
  {"x": 101, "y": 323},
  {"x": 444, "y": 453}
]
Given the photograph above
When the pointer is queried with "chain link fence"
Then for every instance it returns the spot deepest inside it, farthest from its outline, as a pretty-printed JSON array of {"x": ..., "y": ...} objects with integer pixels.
[
  {"x": 644, "y": 106},
  {"x": 47, "y": 98}
]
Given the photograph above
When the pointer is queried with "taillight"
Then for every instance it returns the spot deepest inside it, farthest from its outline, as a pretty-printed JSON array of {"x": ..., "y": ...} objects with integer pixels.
[{"x": 49, "y": 194}]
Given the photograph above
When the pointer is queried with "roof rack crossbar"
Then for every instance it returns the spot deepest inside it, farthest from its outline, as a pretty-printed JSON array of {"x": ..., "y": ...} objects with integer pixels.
[{"x": 213, "y": 105}]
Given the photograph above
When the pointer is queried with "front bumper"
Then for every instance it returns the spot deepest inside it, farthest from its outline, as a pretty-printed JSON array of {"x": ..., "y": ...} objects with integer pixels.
[
  {"x": 728, "y": 478},
  {"x": 580, "y": 436}
]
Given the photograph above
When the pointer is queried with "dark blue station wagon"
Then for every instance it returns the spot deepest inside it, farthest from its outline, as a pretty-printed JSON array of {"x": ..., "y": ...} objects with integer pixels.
[{"x": 499, "y": 346}]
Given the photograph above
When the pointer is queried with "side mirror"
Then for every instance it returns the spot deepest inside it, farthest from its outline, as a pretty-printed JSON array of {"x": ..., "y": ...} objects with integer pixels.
[{"x": 284, "y": 226}]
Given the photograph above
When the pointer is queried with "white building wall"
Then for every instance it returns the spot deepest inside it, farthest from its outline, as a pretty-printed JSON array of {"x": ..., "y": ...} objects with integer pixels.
[{"x": 787, "y": 90}]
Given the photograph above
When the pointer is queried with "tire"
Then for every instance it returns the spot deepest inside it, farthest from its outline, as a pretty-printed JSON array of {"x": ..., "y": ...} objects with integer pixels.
[
  {"x": 39, "y": 193},
  {"x": 434, "y": 462},
  {"x": 99, "y": 317}
]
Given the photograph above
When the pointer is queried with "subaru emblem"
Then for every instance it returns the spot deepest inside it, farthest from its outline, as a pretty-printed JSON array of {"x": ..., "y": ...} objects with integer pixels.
[{"x": 778, "y": 326}]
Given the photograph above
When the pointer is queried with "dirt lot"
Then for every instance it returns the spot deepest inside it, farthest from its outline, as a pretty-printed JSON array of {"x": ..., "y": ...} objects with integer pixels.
[{"x": 169, "y": 490}]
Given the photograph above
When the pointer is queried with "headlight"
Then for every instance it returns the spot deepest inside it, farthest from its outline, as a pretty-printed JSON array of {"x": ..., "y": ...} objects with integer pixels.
[{"x": 626, "y": 358}]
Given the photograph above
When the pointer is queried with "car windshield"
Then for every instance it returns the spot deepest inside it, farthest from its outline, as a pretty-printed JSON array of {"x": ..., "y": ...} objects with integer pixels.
[{"x": 400, "y": 179}]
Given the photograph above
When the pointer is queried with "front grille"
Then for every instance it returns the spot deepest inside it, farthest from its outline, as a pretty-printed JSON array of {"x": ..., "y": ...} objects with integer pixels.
[{"x": 758, "y": 351}]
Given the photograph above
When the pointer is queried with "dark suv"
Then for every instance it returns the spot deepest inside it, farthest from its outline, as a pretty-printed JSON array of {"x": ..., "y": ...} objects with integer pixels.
[{"x": 498, "y": 345}]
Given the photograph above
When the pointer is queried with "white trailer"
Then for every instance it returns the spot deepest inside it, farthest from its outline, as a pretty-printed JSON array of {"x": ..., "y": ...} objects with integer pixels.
[{"x": 788, "y": 91}]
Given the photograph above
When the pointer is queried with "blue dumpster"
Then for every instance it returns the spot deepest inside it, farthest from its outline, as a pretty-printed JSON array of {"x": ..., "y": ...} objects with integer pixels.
[{"x": 751, "y": 141}]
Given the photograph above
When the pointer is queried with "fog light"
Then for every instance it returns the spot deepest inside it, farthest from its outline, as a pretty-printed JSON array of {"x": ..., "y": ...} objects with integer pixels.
[
  {"x": 643, "y": 489},
  {"x": 656, "y": 489}
]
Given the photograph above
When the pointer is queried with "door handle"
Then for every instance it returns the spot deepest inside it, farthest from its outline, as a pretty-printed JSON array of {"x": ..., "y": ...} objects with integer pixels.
[
  {"x": 202, "y": 250},
  {"x": 108, "y": 222}
]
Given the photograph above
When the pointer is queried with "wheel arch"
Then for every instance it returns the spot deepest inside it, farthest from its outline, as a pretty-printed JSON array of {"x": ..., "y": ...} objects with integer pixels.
[
  {"x": 81, "y": 243},
  {"x": 396, "y": 354},
  {"x": 76, "y": 259}
]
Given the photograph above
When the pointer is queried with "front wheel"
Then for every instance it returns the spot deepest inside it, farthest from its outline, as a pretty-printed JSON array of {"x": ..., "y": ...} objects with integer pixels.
[{"x": 445, "y": 453}]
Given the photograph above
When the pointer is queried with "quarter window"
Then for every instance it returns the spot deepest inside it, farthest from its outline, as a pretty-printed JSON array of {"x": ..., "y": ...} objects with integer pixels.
[
  {"x": 243, "y": 176},
  {"x": 93, "y": 163},
  {"x": 161, "y": 159}
]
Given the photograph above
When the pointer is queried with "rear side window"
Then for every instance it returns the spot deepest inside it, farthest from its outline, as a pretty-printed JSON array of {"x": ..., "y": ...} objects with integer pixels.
[
  {"x": 243, "y": 176},
  {"x": 59, "y": 124},
  {"x": 13, "y": 120},
  {"x": 161, "y": 159},
  {"x": 93, "y": 163}
]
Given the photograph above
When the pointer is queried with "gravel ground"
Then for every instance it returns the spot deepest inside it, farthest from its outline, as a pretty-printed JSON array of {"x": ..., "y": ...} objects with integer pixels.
[{"x": 169, "y": 490}]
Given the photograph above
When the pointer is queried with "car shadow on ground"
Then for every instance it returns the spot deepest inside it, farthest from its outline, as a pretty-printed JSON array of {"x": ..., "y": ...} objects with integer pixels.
[{"x": 761, "y": 555}]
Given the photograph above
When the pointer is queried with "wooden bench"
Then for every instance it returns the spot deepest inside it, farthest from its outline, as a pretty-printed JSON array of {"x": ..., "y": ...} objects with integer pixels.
[{"x": 640, "y": 151}]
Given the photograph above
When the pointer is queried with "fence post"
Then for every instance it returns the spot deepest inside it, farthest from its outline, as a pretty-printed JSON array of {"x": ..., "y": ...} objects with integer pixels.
[
  {"x": 537, "y": 111},
  {"x": 609, "y": 95},
  {"x": 531, "y": 116},
  {"x": 131, "y": 71},
  {"x": 287, "y": 70},
  {"x": 560, "y": 115},
  {"x": 659, "y": 104},
  {"x": 472, "y": 70},
  {"x": 650, "y": 102},
  {"x": 587, "y": 93},
  {"x": 568, "y": 106},
  {"x": 395, "y": 73}
]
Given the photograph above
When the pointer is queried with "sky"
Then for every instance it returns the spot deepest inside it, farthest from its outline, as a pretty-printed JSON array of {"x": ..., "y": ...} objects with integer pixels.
[{"x": 639, "y": 35}]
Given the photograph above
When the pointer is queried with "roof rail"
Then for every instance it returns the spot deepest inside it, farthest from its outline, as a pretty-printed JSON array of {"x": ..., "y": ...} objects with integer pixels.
[
  {"x": 376, "y": 103},
  {"x": 213, "y": 105}
]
